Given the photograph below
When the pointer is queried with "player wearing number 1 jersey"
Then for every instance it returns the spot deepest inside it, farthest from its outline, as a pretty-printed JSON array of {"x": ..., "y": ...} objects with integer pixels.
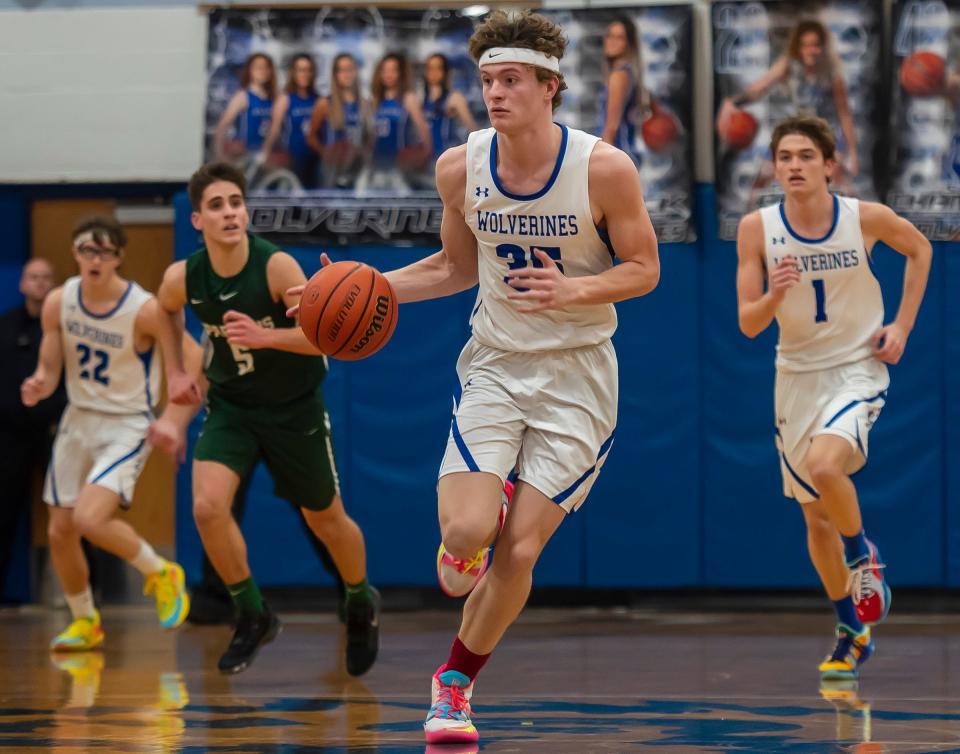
[
  {"x": 101, "y": 330},
  {"x": 534, "y": 212},
  {"x": 264, "y": 402},
  {"x": 814, "y": 250}
]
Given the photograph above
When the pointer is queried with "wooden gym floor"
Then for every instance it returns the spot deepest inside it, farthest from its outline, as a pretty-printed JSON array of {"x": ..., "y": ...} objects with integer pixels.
[{"x": 563, "y": 682}]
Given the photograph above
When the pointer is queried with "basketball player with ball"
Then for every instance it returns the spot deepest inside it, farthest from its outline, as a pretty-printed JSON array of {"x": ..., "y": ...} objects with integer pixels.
[
  {"x": 806, "y": 263},
  {"x": 264, "y": 401},
  {"x": 537, "y": 383}
]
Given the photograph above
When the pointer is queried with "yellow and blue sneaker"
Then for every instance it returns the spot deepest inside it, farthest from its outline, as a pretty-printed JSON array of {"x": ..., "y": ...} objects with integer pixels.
[
  {"x": 851, "y": 652},
  {"x": 169, "y": 589},
  {"x": 81, "y": 635}
]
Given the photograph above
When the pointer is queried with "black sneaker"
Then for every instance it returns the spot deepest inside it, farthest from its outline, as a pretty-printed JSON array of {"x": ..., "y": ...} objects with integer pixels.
[
  {"x": 253, "y": 631},
  {"x": 363, "y": 635}
]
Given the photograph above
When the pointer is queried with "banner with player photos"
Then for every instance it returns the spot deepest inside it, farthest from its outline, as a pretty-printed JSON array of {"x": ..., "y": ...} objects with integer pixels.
[
  {"x": 337, "y": 115},
  {"x": 773, "y": 60},
  {"x": 925, "y": 184}
]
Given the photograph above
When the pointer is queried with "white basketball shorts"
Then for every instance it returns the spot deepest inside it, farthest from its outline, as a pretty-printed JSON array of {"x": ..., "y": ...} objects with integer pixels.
[
  {"x": 843, "y": 401},
  {"x": 96, "y": 448},
  {"x": 550, "y": 414}
]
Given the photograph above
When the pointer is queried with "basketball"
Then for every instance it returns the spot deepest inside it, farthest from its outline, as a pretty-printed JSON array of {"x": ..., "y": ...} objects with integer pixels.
[
  {"x": 740, "y": 130},
  {"x": 659, "y": 131},
  {"x": 348, "y": 310},
  {"x": 922, "y": 74}
]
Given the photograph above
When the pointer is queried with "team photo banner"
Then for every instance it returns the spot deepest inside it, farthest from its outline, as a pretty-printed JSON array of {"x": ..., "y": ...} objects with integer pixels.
[
  {"x": 773, "y": 60},
  {"x": 925, "y": 184},
  {"x": 337, "y": 115}
]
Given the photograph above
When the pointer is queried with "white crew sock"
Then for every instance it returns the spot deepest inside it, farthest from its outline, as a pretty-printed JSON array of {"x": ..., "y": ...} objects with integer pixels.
[
  {"x": 81, "y": 605},
  {"x": 147, "y": 561}
]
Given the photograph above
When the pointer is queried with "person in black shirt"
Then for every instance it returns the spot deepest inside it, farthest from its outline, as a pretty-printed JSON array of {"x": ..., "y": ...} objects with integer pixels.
[{"x": 26, "y": 434}]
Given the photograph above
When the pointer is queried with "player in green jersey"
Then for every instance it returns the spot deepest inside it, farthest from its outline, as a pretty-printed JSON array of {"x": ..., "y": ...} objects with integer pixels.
[{"x": 264, "y": 401}]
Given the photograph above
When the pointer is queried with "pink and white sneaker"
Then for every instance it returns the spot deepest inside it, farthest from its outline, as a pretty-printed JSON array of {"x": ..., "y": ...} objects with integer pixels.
[
  {"x": 869, "y": 590},
  {"x": 448, "y": 721},
  {"x": 458, "y": 577}
]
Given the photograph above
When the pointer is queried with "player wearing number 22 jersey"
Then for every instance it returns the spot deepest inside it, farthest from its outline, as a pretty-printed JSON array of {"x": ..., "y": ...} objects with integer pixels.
[
  {"x": 101, "y": 329},
  {"x": 814, "y": 250}
]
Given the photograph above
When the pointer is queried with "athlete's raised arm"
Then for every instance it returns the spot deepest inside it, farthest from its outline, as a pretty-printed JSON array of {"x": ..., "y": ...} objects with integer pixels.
[
  {"x": 454, "y": 267},
  {"x": 756, "y": 308},
  {"x": 286, "y": 280},
  {"x": 617, "y": 201},
  {"x": 46, "y": 377},
  {"x": 880, "y": 223}
]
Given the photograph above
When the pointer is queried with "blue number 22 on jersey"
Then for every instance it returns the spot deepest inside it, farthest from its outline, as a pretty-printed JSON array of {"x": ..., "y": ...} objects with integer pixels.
[
  {"x": 520, "y": 257},
  {"x": 99, "y": 371}
]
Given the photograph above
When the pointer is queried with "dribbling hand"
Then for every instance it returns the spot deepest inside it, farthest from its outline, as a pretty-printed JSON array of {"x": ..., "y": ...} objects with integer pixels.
[
  {"x": 183, "y": 389},
  {"x": 783, "y": 277},
  {"x": 297, "y": 290},
  {"x": 546, "y": 287}
]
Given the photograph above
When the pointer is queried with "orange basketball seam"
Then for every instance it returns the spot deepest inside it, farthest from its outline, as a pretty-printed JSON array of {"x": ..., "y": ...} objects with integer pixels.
[
  {"x": 316, "y": 334},
  {"x": 363, "y": 310}
]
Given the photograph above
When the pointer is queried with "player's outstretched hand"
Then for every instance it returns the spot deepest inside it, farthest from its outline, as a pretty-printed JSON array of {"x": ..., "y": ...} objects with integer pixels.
[
  {"x": 183, "y": 389},
  {"x": 889, "y": 343},
  {"x": 784, "y": 276},
  {"x": 297, "y": 290},
  {"x": 164, "y": 435},
  {"x": 541, "y": 288},
  {"x": 33, "y": 390},
  {"x": 243, "y": 331}
]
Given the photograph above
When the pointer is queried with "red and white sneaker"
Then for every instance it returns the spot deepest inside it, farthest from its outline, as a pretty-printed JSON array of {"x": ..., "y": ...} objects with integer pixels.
[
  {"x": 459, "y": 577},
  {"x": 448, "y": 721},
  {"x": 869, "y": 590}
]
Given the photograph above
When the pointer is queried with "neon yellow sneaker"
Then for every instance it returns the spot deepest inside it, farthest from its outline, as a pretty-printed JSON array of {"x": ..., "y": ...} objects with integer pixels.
[
  {"x": 169, "y": 589},
  {"x": 81, "y": 635}
]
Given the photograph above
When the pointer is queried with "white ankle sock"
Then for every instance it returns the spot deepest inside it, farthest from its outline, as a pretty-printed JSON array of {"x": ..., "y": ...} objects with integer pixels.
[
  {"x": 147, "y": 561},
  {"x": 81, "y": 605}
]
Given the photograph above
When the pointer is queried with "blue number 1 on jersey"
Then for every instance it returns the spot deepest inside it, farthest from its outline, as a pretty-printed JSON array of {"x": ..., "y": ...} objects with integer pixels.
[{"x": 820, "y": 292}]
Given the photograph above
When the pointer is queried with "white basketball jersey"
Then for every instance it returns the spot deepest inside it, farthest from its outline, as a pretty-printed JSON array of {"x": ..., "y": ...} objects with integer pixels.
[
  {"x": 556, "y": 219},
  {"x": 829, "y": 317},
  {"x": 104, "y": 371}
]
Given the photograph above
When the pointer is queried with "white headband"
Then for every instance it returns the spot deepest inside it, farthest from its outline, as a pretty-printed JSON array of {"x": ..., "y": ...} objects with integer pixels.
[
  {"x": 519, "y": 55},
  {"x": 89, "y": 237}
]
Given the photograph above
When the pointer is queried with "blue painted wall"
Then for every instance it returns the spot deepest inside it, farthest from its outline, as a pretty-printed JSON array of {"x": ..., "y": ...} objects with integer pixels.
[{"x": 690, "y": 495}]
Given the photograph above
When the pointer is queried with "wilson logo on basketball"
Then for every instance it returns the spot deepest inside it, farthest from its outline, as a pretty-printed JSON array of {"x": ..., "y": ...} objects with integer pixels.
[
  {"x": 348, "y": 303},
  {"x": 376, "y": 324}
]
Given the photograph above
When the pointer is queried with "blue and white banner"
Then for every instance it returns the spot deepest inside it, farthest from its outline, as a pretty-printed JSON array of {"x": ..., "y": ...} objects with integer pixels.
[
  {"x": 925, "y": 181},
  {"x": 357, "y": 103},
  {"x": 773, "y": 60}
]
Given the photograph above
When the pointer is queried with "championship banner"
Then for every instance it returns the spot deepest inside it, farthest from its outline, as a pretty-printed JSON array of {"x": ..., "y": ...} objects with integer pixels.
[
  {"x": 337, "y": 115},
  {"x": 773, "y": 60},
  {"x": 925, "y": 185}
]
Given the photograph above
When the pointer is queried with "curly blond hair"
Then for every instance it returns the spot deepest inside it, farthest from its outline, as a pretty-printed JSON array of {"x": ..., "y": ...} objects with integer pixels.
[{"x": 522, "y": 29}]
